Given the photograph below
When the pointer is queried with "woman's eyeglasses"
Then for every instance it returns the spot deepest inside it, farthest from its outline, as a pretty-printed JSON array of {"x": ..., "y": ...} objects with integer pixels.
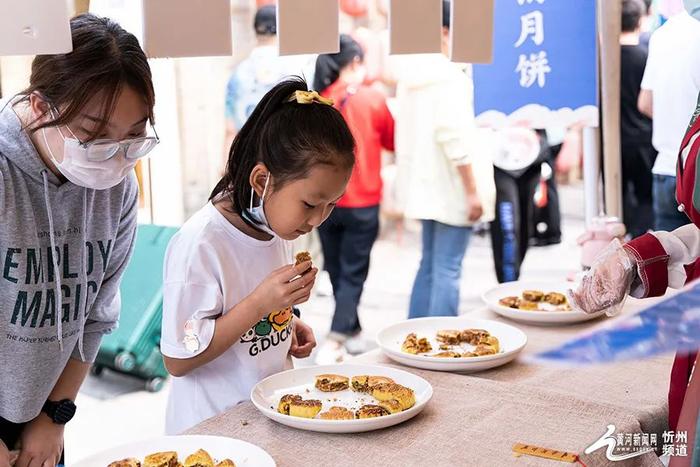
[{"x": 101, "y": 150}]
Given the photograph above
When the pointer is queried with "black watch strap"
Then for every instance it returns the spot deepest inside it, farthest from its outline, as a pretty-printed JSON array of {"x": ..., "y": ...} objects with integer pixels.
[
  {"x": 296, "y": 312},
  {"x": 60, "y": 412}
]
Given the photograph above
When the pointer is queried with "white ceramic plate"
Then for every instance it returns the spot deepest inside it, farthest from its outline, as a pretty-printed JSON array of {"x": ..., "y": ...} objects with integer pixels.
[
  {"x": 242, "y": 453},
  {"x": 509, "y": 289},
  {"x": 267, "y": 393},
  {"x": 511, "y": 339}
]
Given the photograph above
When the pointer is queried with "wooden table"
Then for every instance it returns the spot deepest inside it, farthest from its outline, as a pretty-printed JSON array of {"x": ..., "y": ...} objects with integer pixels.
[{"x": 474, "y": 420}]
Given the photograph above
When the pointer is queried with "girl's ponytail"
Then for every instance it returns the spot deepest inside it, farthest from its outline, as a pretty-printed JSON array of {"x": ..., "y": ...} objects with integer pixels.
[{"x": 289, "y": 138}]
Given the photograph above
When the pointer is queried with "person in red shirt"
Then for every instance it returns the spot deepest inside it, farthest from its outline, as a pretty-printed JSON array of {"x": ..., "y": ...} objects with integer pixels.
[
  {"x": 645, "y": 267},
  {"x": 349, "y": 233}
]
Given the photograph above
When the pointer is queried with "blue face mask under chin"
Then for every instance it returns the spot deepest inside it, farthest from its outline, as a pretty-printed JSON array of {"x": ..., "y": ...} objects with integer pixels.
[{"x": 256, "y": 215}]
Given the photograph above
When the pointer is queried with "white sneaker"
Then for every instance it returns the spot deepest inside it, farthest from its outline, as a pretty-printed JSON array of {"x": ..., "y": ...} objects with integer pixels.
[
  {"x": 324, "y": 287},
  {"x": 331, "y": 352},
  {"x": 356, "y": 345}
]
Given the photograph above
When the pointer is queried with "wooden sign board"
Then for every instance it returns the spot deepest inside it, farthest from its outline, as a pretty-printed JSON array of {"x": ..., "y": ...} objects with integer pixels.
[
  {"x": 187, "y": 28},
  {"x": 308, "y": 26},
  {"x": 471, "y": 31},
  {"x": 31, "y": 27},
  {"x": 415, "y": 26}
]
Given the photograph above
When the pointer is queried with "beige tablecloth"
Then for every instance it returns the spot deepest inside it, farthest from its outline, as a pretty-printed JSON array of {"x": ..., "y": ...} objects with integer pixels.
[{"x": 474, "y": 420}]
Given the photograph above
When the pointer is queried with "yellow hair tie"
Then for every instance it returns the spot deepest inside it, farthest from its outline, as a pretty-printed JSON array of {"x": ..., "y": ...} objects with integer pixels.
[{"x": 309, "y": 97}]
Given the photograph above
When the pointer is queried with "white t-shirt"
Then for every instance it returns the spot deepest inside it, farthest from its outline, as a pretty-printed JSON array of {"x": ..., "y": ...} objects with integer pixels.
[
  {"x": 672, "y": 74},
  {"x": 210, "y": 266}
]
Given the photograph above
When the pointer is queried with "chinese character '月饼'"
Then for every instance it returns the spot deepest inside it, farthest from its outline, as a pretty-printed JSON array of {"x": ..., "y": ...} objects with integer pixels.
[
  {"x": 533, "y": 69},
  {"x": 531, "y": 24}
]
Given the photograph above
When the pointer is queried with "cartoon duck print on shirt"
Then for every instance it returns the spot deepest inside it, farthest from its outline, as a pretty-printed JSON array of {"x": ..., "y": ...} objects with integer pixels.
[{"x": 269, "y": 332}]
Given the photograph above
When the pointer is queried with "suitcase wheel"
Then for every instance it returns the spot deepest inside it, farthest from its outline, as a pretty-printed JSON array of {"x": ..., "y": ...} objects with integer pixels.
[
  {"x": 155, "y": 384},
  {"x": 125, "y": 361}
]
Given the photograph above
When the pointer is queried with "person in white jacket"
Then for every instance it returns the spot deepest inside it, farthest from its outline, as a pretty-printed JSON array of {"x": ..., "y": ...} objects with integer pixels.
[{"x": 434, "y": 132}]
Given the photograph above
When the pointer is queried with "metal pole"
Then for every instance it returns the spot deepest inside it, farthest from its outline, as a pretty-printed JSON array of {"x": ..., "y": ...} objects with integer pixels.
[
  {"x": 609, "y": 22},
  {"x": 591, "y": 174}
]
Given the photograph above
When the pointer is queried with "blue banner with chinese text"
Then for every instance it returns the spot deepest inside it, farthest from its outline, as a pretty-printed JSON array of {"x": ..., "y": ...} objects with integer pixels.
[{"x": 544, "y": 61}]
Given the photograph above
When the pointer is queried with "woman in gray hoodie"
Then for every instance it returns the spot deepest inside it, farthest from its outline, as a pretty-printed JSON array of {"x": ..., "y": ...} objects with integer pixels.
[{"x": 68, "y": 205}]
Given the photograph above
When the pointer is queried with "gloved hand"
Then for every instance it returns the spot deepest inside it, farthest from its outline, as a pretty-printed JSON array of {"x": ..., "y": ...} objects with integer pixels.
[{"x": 606, "y": 285}]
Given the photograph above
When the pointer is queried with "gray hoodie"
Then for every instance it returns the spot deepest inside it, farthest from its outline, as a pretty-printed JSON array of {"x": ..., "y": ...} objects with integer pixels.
[{"x": 93, "y": 237}]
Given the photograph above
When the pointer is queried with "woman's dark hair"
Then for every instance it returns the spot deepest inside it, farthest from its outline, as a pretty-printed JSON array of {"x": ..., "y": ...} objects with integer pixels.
[
  {"x": 104, "y": 59},
  {"x": 632, "y": 12},
  {"x": 289, "y": 138},
  {"x": 328, "y": 66}
]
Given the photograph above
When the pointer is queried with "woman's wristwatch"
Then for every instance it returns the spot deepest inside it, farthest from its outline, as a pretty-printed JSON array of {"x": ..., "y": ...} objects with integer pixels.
[{"x": 60, "y": 412}]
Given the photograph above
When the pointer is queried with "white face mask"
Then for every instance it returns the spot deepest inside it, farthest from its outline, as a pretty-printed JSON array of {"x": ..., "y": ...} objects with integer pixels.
[
  {"x": 76, "y": 167},
  {"x": 693, "y": 7},
  {"x": 256, "y": 214}
]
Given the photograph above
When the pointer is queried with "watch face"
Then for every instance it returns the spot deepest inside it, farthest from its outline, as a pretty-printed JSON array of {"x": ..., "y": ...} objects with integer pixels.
[{"x": 64, "y": 411}]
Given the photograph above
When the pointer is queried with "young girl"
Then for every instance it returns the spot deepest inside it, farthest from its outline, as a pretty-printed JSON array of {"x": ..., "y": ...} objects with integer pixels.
[
  {"x": 229, "y": 282},
  {"x": 68, "y": 206}
]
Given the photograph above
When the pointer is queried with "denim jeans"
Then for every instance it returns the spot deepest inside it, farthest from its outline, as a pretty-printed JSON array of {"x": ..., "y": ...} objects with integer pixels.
[
  {"x": 436, "y": 287},
  {"x": 666, "y": 214},
  {"x": 347, "y": 238}
]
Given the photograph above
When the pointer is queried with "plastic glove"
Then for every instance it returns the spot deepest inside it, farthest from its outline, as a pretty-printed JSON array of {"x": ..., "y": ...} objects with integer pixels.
[{"x": 606, "y": 284}]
